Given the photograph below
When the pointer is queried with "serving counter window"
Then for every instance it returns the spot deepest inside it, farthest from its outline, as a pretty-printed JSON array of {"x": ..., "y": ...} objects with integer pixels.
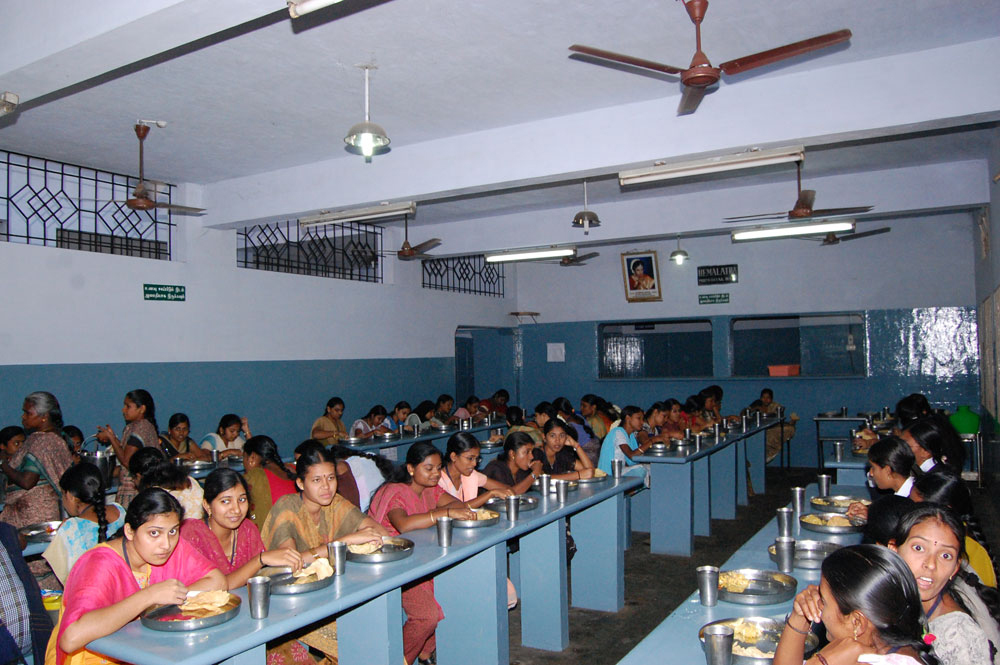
[
  {"x": 655, "y": 349},
  {"x": 806, "y": 345}
]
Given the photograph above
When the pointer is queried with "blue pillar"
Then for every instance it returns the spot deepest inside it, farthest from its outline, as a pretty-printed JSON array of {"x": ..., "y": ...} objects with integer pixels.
[
  {"x": 757, "y": 456},
  {"x": 473, "y": 595},
  {"x": 722, "y": 466},
  {"x": 672, "y": 504},
  {"x": 372, "y": 633},
  {"x": 702, "y": 513},
  {"x": 599, "y": 564},
  {"x": 741, "y": 478},
  {"x": 544, "y": 593}
]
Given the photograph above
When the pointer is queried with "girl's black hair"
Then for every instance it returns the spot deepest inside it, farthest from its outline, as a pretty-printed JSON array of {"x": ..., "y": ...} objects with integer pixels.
[
  {"x": 565, "y": 409},
  {"x": 401, "y": 404},
  {"x": 86, "y": 483},
  {"x": 442, "y": 398},
  {"x": 150, "y": 502},
  {"x": 547, "y": 409},
  {"x": 177, "y": 419},
  {"x": 308, "y": 445},
  {"x": 310, "y": 457},
  {"x": 501, "y": 393},
  {"x": 417, "y": 453},
  {"x": 385, "y": 466},
  {"x": 657, "y": 406},
  {"x": 894, "y": 453},
  {"x": 513, "y": 442},
  {"x": 227, "y": 421},
  {"x": 630, "y": 411},
  {"x": 471, "y": 399},
  {"x": 144, "y": 459},
  {"x": 377, "y": 410},
  {"x": 333, "y": 403},
  {"x": 935, "y": 434},
  {"x": 943, "y": 485},
  {"x": 9, "y": 432},
  {"x": 883, "y": 518},
  {"x": 265, "y": 446},
  {"x": 877, "y": 582},
  {"x": 221, "y": 480},
  {"x": 141, "y": 397},
  {"x": 668, "y": 404},
  {"x": 911, "y": 408},
  {"x": 424, "y": 408},
  {"x": 554, "y": 423},
  {"x": 165, "y": 474},
  {"x": 693, "y": 404},
  {"x": 515, "y": 416},
  {"x": 458, "y": 443},
  {"x": 69, "y": 431}
]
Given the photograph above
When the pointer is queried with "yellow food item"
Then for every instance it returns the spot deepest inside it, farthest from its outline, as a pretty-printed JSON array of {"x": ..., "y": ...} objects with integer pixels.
[
  {"x": 320, "y": 569},
  {"x": 484, "y": 514},
  {"x": 813, "y": 519},
  {"x": 837, "y": 520},
  {"x": 206, "y": 600},
  {"x": 751, "y": 652},
  {"x": 733, "y": 582},
  {"x": 746, "y": 631},
  {"x": 365, "y": 548},
  {"x": 599, "y": 474}
]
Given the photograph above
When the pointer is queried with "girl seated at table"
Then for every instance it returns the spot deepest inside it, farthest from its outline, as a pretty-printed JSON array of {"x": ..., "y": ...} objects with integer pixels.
[
  {"x": 229, "y": 437},
  {"x": 515, "y": 467},
  {"x": 459, "y": 477},
  {"x": 584, "y": 433},
  {"x": 515, "y": 423},
  {"x": 175, "y": 479},
  {"x": 90, "y": 521},
  {"x": 561, "y": 455},
  {"x": 544, "y": 412},
  {"x": 470, "y": 410},
  {"x": 114, "y": 582},
  {"x": 595, "y": 412},
  {"x": 931, "y": 540},
  {"x": 651, "y": 430},
  {"x": 268, "y": 477},
  {"x": 891, "y": 464},
  {"x": 673, "y": 423},
  {"x": 368, "y": 470},
  {"x": 869, "y": 602},
  {"x": 371, "y": 424},
  {"x": 442, "y": 411},
  {"x": 412, "y": 499},
  {"x": 621, "y": 442},
  {"x": 397, "y": 419},
  {"x": 176, "y": 442},
  {"x": 329, "y": 429}
]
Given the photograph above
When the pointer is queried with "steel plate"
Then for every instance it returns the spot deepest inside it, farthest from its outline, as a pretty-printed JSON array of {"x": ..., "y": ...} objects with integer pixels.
[
  {"x": 283, "y": 584},
  {"x": 766, "y": 587},
  {"x": 42, "y": 532},
  {"x": 837, "y": 503},
  {"x": 500, "y": 505},
  {"x": 595, "y": 479},
  {"x": 857, "y": 525},
  {"x": 573, "y": 485},
  {"x": 154, "y": 617},
  {"x": 476, "y": 524},
  {"x": 768, "y": 641},
  {"x": 393, "y": 549},
  {"x": 809, "y": 554}
]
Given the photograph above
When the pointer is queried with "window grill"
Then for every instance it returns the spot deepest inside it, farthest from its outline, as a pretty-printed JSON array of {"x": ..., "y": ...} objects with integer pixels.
[
  {"x": 464, "y": 274},
  {"x": 343, "y": 251},
  {"x": 54, "y": 204}
]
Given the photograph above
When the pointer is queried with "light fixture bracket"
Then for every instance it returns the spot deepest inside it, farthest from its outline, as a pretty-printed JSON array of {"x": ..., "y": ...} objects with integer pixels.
[{"x": 751, "y": 158}]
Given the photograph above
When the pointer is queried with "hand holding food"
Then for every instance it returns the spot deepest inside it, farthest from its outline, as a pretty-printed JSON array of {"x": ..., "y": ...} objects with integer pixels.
[
  {"x": 167, "y": 592},
  {"x": 586, "y": 473},
  {"x": 461, "y": 512},
  {"x": 501, "y": 493},
  {"x": 858, "y": 510},
  {"x": 283, "y": 557}
]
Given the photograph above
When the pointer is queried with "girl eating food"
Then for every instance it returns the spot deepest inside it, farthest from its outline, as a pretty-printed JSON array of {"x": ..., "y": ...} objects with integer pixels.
[{"x": 460, "y": 478}]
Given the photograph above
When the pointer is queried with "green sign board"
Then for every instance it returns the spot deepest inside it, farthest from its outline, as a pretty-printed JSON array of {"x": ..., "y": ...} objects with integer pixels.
[
  {"x": 713, "y": 299},
  {"x": 164, "y": 292}
]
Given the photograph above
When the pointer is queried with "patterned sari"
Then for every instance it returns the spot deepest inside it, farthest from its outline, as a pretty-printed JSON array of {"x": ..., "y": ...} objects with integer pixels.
[
  {"x": 46, "y": 454},
  {"x": 74, "y": 538},
  {"x": 138, "y": 432}
]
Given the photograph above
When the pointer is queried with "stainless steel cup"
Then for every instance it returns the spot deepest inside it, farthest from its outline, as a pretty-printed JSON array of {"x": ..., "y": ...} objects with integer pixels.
[
  {"x": 562, "y": 490},
  {"x": 756, "y": 418},
  {"x": 843, "y": 411},
  {"x": 823, "y": 480},
  {"x": 799, "y": 500},
  {"x": 784, "y": 552},
  {"x": 708, "y": 585},
  {"x": 838, "y": 451},
  {"x": 687, "y": 432},
  {"x": 719, "y": 644},
  {"x": 786, "y": 517},
  {"x": 336, "y": 554},
  {"x": 545, "y": 484},
  {"x": 259, "y": 591},
  {"x": 445, "y": 526},
  {"x": 853, "y": 434},
  {"x": 514, "y": 507},
  {"x": 617, "y": 468},
  {"x": 716, "y": 428},
  {"x": 215, "y": 456},
  {"x": 744, "y": 422}
]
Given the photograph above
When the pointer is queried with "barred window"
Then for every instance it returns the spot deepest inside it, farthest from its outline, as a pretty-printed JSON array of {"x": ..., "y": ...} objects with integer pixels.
[
  {"x": 343, "y": 251},
  {"x": 819, "y": 344},
  {"x": 464, "y": 274},
  {"x": 50, "y": 203},
  {"x": 655, "y": 349}
]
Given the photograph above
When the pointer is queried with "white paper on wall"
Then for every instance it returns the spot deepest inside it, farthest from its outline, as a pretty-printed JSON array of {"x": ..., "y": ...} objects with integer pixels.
[{"x": 555, "y": 352}]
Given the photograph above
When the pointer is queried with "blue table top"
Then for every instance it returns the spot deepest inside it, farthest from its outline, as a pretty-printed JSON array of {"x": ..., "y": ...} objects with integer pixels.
[
  {"x": 850, "y": 461},
  {"x": 675, "y": 640},
  {"x": 432, "y": 435},
  {"x": 682, "y": 455},
  {"x": 360, "y": 583}
]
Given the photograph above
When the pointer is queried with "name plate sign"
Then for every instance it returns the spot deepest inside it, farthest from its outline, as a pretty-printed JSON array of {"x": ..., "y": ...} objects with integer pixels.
[
  {"x": 713, "y": 299},
  {"x": 727, "y": 274},
  {"x": 164, "y": 292}
]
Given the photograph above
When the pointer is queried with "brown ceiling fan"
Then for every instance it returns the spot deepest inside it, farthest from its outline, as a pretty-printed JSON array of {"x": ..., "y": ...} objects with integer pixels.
[
  {"x": 578, "y": 260},
  {"x": 410, "y": 252},
  {"x": 803, "y": 207},
  {"x": 833, "y": 239},
  {"x": 143, "y": 195},
  {"x": 700, "y": 74}
]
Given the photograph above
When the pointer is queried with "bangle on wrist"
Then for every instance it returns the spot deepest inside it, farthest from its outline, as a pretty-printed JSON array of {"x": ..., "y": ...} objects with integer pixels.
[
  {"x": 797, "y": 630},
  {"x": 260, "y": 558},
  {"x": 822, "y": 658}
]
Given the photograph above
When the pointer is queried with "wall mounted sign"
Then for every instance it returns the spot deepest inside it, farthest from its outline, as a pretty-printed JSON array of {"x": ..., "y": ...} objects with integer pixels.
[
  {"x": 713, "y": 299},
  {"x": 642, "y": 276},
  {"x": 728, "y": 274},
  {"x": 164, "y": 292}
]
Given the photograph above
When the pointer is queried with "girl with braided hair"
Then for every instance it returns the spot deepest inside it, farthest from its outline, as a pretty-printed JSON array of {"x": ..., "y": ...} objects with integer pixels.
[
  {"x": 90, "y": 520},
  {"x": 268, "y": 477}
]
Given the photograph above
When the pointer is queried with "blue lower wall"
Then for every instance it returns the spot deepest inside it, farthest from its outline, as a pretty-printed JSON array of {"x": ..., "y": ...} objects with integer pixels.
[
  {"x": 932, "y": 350},
  {"x": 280, "y": 398}
]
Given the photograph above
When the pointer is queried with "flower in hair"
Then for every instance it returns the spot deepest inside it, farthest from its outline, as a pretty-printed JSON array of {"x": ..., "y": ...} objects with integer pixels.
[{"x": 929, "y": 638}]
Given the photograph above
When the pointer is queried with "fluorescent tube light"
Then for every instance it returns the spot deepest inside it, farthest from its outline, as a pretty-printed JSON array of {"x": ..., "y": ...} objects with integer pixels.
[
  {"x": 786, "y": 231},
  {"x": 360, "y": 214},
  {"x": 530, "y": 254},
  {"x": 297, "y": 9},
  {"x": 743, "y": 160}
]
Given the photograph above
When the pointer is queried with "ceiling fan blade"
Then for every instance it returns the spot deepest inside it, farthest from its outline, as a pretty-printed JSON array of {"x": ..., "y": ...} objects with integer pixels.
[
  {"x": 754, "y": 218},
  {"x": 625, "y": 59},
  {"x": 866, "y": 234},
  {"x": 784, "y": 52},
  {"x": 690, "y": 100},
  {"x": 806, "y": 199},
  {"x": 586, "y": 257},
  {"x": 427, "y": 244},
  {"x": 830, "y": 212},
  {"x": 180, "y": 210}
]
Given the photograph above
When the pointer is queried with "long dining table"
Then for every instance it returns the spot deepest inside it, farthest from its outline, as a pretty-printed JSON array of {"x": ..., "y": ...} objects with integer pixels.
[
  {"x": 675, "y": 640},
  {"x": 692, "y": 484},
  {"x": 470, "y": 585}
]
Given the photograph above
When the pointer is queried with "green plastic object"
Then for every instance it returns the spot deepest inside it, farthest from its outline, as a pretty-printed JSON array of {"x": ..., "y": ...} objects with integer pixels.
[{"x": 965, "y": 421}]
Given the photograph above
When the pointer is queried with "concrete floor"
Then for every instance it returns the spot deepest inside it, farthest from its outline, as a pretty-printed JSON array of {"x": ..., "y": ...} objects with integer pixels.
[{"x": 655, "y": 584}]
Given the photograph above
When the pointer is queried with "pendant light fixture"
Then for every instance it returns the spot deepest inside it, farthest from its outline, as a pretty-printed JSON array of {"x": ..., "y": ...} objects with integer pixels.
[
  {"x": 585, "y": 219},
  {"x": 679, "y": 256},
  {"x": 366, "y": 138}
]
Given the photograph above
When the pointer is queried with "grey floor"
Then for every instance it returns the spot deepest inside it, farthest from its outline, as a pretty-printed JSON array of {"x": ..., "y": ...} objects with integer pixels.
[{"x": 655, "y": 585}]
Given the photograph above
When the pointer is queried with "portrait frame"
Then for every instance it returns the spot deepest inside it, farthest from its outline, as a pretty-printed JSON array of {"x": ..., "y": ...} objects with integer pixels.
[{"x": 641, "y": 285}]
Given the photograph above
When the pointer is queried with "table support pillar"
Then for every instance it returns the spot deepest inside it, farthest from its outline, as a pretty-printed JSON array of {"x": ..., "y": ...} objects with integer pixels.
[
  {"x": 742, "y": 496},
  {"x": 757, "y": 456},
  {"x": 599, "y": 564},
  {"x": 722, "y": 466},
  {"x": 476, "y": 587},
  {"x": 372, "y": 633},
  {"x": 255, "y": 656},
  {"x": 544, "y": 593},
  {"x": 672, "y": 494},
  {"x": 701, "y": 516}
]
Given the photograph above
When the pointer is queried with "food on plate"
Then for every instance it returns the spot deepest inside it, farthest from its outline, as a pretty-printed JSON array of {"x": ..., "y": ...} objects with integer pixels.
[
  {"x": 746, "y": 631},
  {"x": 365, "y": 548},
  {"x": 751, "y": 651},
  {"x": 205, "y": 603},
  {"x": 733, "y": 582},
  {"x": 840, "y": 503},
  {"x": 837, "y": 520},
  {"x": 484, "y": 514},
  {"x": 599, "y": 474},
  {"x": 320, "y": 569},
  {"x": 813, "y": 519}
]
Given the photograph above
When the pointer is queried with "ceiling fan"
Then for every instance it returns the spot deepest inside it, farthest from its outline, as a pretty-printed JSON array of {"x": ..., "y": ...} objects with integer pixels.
[
  {"x": 833, "y": 239},
  {"x": 144, "y": 194},
  {"x": 410, "y": 252},
  {"x": 803, "y": 207},
  {"x": 700, "y": 74},
  {"x": 578, "y": 260}
]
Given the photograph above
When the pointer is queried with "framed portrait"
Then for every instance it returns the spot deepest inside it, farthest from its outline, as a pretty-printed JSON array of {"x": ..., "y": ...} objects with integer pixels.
[{"x": 641, "y": 272}]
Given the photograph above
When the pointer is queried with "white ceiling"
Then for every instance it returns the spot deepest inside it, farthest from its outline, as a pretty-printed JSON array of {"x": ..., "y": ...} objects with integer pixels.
[{"x": 273, "y": 93}]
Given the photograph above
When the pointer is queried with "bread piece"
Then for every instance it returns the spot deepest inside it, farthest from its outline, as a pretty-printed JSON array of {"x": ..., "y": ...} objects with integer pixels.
[{"x": 365, "y": 548}]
